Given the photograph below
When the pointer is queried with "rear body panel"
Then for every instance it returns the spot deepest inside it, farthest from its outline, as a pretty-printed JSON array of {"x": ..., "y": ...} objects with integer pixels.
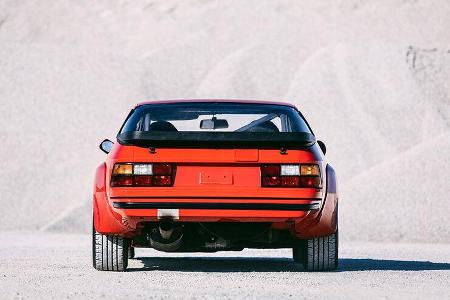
[
  {"x": 213, "y": 177},
  {"x": 216, "y": 185}
]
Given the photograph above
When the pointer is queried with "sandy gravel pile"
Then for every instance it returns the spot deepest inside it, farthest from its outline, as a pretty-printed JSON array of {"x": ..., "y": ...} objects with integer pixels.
[{"x": 373, "y": 78}]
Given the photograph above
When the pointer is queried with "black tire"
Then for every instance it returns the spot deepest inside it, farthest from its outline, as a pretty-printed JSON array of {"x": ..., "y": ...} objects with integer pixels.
[
  {"x": 131, "y": 253},
  {"x": 109, "y": 252},
  {"x": 318, "y": 254}
]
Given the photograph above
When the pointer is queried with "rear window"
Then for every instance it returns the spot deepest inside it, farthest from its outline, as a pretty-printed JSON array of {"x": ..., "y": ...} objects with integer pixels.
[{"x": 215, "y": 117}]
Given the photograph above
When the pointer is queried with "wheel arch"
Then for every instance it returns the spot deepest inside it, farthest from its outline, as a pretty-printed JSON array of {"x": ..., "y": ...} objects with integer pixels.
[
  {"x": 326, "y": 222},
  {"x": 105, "y": 219}
]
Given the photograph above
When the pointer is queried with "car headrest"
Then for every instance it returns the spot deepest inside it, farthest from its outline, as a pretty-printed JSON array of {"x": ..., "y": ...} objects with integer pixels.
[
  {"x": 162, "y": 126},
  {"x": 267, "y": 126}
]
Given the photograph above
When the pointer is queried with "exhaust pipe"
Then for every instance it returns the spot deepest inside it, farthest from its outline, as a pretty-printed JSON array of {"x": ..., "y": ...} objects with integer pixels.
[
  {"x": 166, "y": 236},
  {"x": 166, "y": 229}
]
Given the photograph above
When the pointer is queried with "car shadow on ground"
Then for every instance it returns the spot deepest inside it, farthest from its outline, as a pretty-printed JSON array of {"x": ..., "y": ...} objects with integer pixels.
[{"x": 266, "y": 264}]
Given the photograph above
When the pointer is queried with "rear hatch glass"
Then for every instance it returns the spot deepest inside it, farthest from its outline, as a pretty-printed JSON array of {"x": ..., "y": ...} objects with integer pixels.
[{"x": 216, "y": 125}]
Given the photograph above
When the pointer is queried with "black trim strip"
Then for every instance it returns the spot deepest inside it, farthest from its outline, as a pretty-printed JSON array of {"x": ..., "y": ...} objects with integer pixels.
[
  {"x": 213, "y": 197},
  {"x": 232, "y": 206},
  {"x": 233, "y": 140}
]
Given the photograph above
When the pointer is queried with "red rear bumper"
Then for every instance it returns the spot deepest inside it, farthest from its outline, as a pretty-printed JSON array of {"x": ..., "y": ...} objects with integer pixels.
[
  {"x": 215, "y": 210},
  {"x": 305, "y": 217}
]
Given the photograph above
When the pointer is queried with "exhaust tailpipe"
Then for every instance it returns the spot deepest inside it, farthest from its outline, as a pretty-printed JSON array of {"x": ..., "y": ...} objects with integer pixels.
[
  {"x": 166, "y": 228},
  {"x": 166, "y": 236}
]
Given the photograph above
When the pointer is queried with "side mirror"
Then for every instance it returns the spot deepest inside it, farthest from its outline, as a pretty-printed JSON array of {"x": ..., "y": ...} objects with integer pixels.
[
  {"x": 106, "y": 146},
  {"x": 322, "y": 147}
]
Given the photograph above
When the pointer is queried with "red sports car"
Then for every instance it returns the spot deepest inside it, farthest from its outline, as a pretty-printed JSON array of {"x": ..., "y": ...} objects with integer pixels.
[{"x": 215, "y": 175}]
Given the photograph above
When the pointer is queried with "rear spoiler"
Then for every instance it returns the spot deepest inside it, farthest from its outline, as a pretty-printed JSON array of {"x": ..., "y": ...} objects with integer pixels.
[{"x": 195, "y": 139}]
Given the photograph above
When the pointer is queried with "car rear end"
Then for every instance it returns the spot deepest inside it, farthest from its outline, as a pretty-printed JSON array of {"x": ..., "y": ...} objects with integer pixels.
[{"x": 211, "y": 176}]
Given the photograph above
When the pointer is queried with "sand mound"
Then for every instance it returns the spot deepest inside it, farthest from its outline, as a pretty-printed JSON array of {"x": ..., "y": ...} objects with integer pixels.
[
  {"x": 402, "y": 199},
  {"x": 48, "y": 131}
]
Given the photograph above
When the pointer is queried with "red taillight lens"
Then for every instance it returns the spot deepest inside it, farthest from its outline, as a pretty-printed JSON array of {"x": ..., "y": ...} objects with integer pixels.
[
  {"x": 162, "y": 169},
  {"x": 121, "y": 180},
  {"x": 310, "y": 181},
  {"x": 307, "y": 175},
  {"x": 270, "y": 170},
  {"x": 271, "y": 181},
  {"x": 142, "y": 174},
  {"x": 162, "y": 180},
  {"x": 143, "y": 180},
  {"x": 292, "y": 181}
]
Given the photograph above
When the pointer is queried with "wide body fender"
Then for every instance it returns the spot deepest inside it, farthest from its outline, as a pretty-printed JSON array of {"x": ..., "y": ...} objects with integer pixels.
[
  {"x": 106, "y": 221},
  {"x": 325, "y": 222}
]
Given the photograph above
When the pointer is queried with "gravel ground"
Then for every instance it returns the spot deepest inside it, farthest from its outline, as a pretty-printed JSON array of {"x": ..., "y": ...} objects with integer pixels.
[{"x": 57, "y": 266}]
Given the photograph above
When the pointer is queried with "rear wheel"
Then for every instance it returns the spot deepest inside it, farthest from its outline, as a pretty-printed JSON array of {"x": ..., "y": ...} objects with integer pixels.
[
  {"x": 318, "y": 254},
  {"x": 109, "y": 252}
]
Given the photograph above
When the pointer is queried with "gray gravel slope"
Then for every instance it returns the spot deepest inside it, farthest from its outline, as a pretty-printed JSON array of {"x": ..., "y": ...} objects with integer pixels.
[{"x": 36, "y": 265}]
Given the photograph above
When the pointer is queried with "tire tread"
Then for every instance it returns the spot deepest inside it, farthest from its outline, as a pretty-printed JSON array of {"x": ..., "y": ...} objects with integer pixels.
[
  {"x": 110, "y": 252},
  {"x": 318, "y": 254}
]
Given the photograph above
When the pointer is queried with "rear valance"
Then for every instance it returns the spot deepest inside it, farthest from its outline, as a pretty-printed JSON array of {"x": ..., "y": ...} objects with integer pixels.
[{"x": 194, "y": 139}]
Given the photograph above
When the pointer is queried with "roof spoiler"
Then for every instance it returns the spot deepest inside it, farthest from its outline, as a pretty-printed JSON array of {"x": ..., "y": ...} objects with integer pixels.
[{"x": 195, "y": 139}]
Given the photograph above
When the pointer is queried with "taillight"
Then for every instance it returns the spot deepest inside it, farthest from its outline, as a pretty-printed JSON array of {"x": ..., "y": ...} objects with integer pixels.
[
  {"x": 304, "y": 175},
  {"x": 139, "y": 174}
]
